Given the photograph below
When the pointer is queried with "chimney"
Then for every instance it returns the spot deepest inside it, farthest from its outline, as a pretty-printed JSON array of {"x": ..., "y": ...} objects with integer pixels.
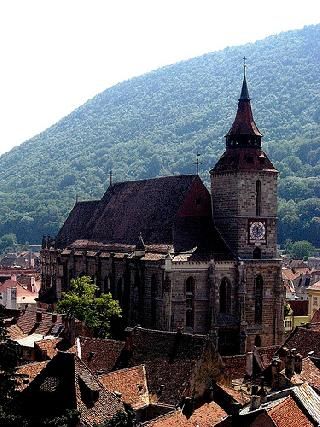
[
  {"x": 298, "y": 363},
  {"x": 38, "y": 316},
  {"x": 54, "y": 317},
  {"x": 249, "y": 363},
  {"x": 254, "y": 402},
  {"x": 275, "y": 370},
  {"x": 289, "y": 363},
  {"x": 13, "y": 277},
  {"x": 32, "y": 284}
]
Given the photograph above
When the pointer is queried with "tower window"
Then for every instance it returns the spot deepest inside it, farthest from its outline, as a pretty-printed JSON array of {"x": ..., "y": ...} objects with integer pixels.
[
  {"x": 257, "y": 253},
  {"x": 190, "y": 302},
  {"x": 153, "y": 301},
  {"x": 225, "y": 296},
  {"x": 257, "y": 341},
  {"x": 258, "y": 299},
  {"x": 258, "y": 198}
]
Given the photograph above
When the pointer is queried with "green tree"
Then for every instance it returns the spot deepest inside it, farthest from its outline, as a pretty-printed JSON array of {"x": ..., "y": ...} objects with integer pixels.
[
  {"x": 7, "y": 242},
  {"x": 301, "y": 249},
  {"x": 83, "y": 303}
]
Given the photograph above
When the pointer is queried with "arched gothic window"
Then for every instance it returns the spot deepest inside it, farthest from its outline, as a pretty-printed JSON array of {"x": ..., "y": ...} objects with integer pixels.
[
  {"x": 153, "y": 301},
  {"x": 257, "y": 341},
  {"x": 225, "y": 296},
  {"x": 257, "y": 253},
  {"x": 190, "y": 285},
  {"x": 258, "y": 299},
  {"x": 120, "y": 290},
  {"x": 258, "y": 198}
]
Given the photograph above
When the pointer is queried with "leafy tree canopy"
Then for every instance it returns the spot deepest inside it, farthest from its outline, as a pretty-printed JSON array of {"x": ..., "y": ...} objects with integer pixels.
[
  {"x": 301, "y": 249},
  {"x": 82, "y": 302}
]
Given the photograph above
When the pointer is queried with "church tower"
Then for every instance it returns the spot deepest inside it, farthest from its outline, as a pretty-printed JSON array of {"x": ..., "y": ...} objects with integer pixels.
[{"x": 244, "y": 201}]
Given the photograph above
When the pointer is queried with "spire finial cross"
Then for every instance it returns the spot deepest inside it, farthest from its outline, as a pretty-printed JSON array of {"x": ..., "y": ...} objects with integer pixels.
[
  {"x": 197, "y": 163},
  {"x": 244, "y": 66}
]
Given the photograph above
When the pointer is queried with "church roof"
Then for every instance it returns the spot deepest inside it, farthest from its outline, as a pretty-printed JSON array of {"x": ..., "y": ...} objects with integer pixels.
[{"x": 169, "y": 210}]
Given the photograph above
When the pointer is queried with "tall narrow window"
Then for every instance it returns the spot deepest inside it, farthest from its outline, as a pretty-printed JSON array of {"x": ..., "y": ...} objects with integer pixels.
[
  {"x": 257, "y": 253},
  {"x": 190, "y": 302},
  {"x": 120, "y": 290},
  {"x": 153, "y": 301},
  {"x": 225, "y": 296},
  {"x": 258, "y": 299},
  {"x": 258, "y": 198}
]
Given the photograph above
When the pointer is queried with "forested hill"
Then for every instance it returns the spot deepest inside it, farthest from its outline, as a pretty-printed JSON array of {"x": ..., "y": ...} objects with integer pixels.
[{"x": 154, "y": 125}]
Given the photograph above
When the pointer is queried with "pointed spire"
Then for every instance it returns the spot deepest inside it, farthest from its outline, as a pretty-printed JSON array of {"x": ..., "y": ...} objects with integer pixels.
[
  {"x": 244, "y": 131},
  {"x": 244, "y": 91}
]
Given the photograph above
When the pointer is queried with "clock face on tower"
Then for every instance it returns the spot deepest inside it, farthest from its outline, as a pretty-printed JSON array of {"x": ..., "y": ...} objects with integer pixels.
[{"x": 257, "y": 231}]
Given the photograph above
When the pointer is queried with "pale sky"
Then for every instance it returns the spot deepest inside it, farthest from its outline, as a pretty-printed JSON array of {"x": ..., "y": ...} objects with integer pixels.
[{"x": 56, "y": 54}]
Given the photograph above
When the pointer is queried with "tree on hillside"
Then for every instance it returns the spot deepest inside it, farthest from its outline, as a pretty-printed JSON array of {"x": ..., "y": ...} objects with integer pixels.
[
  {"x": 301, "y": 249},
  {"x": 7, "y": 242},
  {"x": 83, "y": 303}
]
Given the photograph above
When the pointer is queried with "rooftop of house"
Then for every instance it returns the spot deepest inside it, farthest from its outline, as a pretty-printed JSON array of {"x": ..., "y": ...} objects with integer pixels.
[
  {"x": 32, "y": 320},
  {"x": 286, "y": 413},
  {"x": 299, "y": 307},
  {"x": 27, "y": 373},
  {"x": 310, "y": 373},
  {"x": 305, "y": 339},
  {"x": 100, "y": 355},
  {"x": 131, "y": 383},
  {"x": 207, "y": 415},
  {"x": 234, "y": 366},
  {"x": 264, "y": 355},
  {"x": 315, "y": 286},
  {"x": 66, "y": 383}
]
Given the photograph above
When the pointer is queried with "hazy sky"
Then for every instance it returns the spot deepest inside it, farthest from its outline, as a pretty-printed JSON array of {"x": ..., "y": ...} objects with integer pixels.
[{"x": 57, "y": 54}]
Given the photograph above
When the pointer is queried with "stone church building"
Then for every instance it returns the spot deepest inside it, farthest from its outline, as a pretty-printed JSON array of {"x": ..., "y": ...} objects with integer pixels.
[{"x": 176, "y": 255}]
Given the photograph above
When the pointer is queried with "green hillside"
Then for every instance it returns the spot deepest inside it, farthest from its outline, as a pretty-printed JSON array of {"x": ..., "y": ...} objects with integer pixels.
[{"x": 154, "y": 125}]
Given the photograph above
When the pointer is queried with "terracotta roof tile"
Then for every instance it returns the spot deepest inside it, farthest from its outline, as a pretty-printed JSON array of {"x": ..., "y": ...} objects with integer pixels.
[
  {"x": 287, "y": 413},
  {"x": 311, "y": 373},
  {"x": 238, "y": 396},
  {"x": 305, "y": 340},
  {"x": 14, "y": 332},
  {"x": 316, "y": 317},
  {"x": 100, "y": 355},
  {"x": 207, "y": 415},
  {"x": 169, "y": 359},
  {"x": 234, "y": 366},
  {"x": 29, "y": 372},
  {"x": 264, "y": 355},
  {"x": 48, "y": 347},
  {"x": 131, "y": 383},
  {"x": 315, "y": 286},
  {"x": 27, "y": 322}
]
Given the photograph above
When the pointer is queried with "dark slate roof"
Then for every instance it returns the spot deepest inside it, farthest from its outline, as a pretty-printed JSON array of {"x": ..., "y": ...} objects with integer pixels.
[
  {"x": 243, "y": 159},
  {"x": 243, "y": 123},
  {"x": 76, "y": 223},
  {"x": 169, "y": 210}
]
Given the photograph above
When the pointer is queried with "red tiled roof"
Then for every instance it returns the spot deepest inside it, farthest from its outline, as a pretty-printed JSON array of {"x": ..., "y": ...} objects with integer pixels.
[
  {"x": 315, "y": 286},
  {"x": 234, "y": 366},
  {"x": 27, "y": 322},
  {"x": 14, "y": 332},
  {"x": 287, "y": 413},
  {"x": 170, "y": 359},
  {"x": 311, "y": 373},
  {"x": 48, "y": 347},
  {"x": 236, "y": 395},
  {"x": 100, "y": 354},
  {"x": 304, "y": 340},
  {"x": 131, "y": 383},
  {"x": 29, "y": 372},
  {"x": 264, "y": 355},
  {"x": 21, "y": 291},
  {"x": 207, "y": 415}
]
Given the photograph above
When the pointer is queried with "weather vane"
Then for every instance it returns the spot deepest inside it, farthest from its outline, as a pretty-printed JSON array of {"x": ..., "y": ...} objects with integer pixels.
[{"x": 244, "y": 66}]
